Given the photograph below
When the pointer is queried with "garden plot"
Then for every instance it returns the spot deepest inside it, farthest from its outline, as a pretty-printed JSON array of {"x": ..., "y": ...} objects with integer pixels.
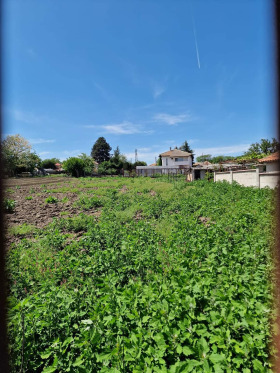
[{"x": 142, "y": 275}]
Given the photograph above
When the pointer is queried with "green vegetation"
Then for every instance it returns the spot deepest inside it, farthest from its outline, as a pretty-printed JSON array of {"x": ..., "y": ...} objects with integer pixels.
[
  {"x": 18, "y": 156},
  {"x": 28, "y": 197},
  {"x": 9, "y": 205},
  {"x": 74, "y": 166},
  {"x": 22, "y": 230},
  {"x": 51, "y": 199},
  {"x": 87, "y": 203},
  {"x": 256, "y": 151},
  {"x": 100, "y": 151},
  {"x": 49, "y": 163},
  {"x": 171, "y": 277}
]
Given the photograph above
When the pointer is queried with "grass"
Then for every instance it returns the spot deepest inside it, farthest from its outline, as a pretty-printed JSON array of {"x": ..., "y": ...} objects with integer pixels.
[{"x": 22, "y": 230}]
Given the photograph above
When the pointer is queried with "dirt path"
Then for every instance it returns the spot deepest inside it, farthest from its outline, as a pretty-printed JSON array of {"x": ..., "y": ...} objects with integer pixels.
[{"x": 35, "y": 181}]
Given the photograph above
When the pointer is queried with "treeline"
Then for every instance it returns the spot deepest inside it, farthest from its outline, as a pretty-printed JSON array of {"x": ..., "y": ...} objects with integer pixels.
[
  {"x": 256, "y": 151},
  {"x": 18, "y": 157}
]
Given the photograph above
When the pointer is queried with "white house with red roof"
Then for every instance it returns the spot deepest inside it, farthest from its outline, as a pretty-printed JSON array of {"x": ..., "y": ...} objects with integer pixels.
[
  {"x": 175, "y": 158},
  {"x": 173, "y": 161},
  {"x": 271, "y": 162}
]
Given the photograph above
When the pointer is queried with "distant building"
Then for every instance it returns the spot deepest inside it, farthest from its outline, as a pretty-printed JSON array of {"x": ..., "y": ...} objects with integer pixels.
[
  {"x": 174, "y": 161},
  {"x": 175, "y": 158},
  {"x": 266, "y": 173},
  {"x": 271, "y": 162}
]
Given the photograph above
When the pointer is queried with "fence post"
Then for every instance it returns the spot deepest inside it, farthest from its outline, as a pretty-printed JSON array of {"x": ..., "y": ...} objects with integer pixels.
[
  {"x": 214, "y": 176},
  {"x": 231, "y": 177},
  {"x": 257, "y": 177}
]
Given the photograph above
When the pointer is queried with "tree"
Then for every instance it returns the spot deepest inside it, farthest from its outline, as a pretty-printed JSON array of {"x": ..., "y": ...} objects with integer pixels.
[
  {"x": 204, "y": 158},
  {"x": 88, "y": 164},
  {"x": 222, "y": 158},
  {"x": 159, "y": 161},
  {"x": 101, "y": 150},
  {"x": 50, "y": 163},
  {"x": 261, "y": 149},
  {"x": 18, "y": 156},
  {"x": 114, "y": 165},
  {"x": 186, "y": 148},
  {"x": 139, "y": 163},
  {"x": 74, "y": 166}
]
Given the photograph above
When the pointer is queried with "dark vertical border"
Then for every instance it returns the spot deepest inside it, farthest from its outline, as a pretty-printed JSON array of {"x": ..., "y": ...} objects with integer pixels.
[
  {"x": 4, "y": 364},
  {"x": 276, "y": 337}
]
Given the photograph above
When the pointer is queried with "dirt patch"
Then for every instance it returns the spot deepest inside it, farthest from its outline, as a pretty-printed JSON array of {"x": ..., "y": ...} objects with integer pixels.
[
  {"x": 153, "y": 193},
  {"x": 36, "y": 211},
  {"x": 138, "y": 215},
  {"x": 35, "y": 181},
  {"x": 124, "y": 189},
  {"x": 205, "y": 221}
]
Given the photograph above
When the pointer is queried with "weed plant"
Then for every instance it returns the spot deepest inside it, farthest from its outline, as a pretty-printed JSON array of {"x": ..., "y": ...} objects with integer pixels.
[
  {"x": 174, "y": 281},
  {"x": 9, "y": 205},
  {"x": 51, "y": 199}
]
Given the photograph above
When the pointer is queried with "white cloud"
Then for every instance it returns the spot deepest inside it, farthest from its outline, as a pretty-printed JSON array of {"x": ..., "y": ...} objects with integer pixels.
[
  {"x": 44, "y": 153},
  {"x": 124, "y": 128},
  {"x": 223, "y": 150},
  {"x": 40, "y": 141},
  {"x": 173, "y": 119}
]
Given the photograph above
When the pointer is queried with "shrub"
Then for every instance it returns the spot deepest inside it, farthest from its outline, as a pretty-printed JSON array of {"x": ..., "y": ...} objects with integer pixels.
[
  {"x": 9, "y": 205},
  {"x": 87, "y": 203},
  {"x": 74, "y": 166},
  {"x": 51, "y": 199}
]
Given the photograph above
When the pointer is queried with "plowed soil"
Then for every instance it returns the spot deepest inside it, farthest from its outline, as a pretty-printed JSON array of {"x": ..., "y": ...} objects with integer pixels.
[{"x": 36, "y": 211}]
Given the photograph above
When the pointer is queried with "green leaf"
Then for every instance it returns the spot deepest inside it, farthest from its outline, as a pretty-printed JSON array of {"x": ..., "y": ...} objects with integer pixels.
[
  {"x": 87, "y": 322},
  {"x": 46, "y": 355},
  {"x": 179, "y": 349},
  {"x": 78, "y": 362},
  {"x": 217, "y": 358},
  {"x": 192, "y": 364},
  {"x": 49, "y": 369},
  {"x": 145, "y": 318},
  {"x": 187, "y": 351}
]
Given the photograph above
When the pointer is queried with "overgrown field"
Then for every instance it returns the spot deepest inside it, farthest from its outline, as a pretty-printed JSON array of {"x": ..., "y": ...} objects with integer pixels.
[{"x": 168, "y": 277}]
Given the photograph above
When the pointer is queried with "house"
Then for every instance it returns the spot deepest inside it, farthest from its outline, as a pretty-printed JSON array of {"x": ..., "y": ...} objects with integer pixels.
[
  {"x": 265, "y": 174},
  {"x": 200, "y": 169},
  {"x": 175, "y": 158},
  {"x": 174, "y": 161},
  {"x": 271, "y": 162}
]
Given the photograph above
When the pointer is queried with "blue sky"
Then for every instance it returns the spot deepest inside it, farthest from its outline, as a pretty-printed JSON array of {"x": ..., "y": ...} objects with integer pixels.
[{"x": 130, "y": 71}]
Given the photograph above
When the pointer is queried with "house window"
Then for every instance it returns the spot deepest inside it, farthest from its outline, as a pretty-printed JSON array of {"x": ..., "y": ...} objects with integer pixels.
[
  {"x": 166, "y": 161},
  {"x": 179, "y": 159}
]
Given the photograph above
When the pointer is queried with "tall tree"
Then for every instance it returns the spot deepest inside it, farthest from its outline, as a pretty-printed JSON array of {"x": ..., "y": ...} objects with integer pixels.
[
  {"x": 101, "y": 150},
  {"x": 186, "y": 148},
  {"x": 18, "y": 156}
]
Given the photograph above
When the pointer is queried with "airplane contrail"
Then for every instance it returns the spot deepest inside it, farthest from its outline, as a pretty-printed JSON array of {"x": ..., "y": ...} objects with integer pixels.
[{"x": 195, "y": 40}]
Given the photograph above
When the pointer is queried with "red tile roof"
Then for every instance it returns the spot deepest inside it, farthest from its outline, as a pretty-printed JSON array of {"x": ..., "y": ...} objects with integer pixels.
[
  {"x": 270, "y": 158},
  {"x": 175, "y": 153}
]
